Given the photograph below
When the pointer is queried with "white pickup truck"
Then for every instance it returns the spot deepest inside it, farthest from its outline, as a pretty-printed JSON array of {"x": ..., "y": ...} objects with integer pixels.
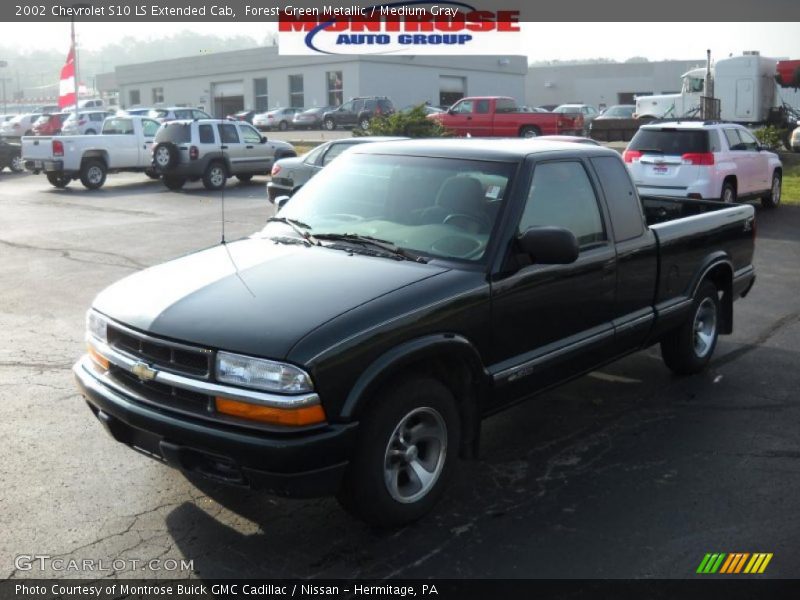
[{"x": 124, "y": 144}]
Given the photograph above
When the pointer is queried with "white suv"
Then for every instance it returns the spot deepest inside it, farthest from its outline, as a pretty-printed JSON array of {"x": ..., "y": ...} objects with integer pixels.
[{"x": 709, "y": 160}]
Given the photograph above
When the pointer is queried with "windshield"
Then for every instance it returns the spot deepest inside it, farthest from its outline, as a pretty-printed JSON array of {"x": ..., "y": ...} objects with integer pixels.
[
  {"x": 619, "y": 111},
  {"x": 177, "y": 133},
  {"x": 436, "y": 207}
]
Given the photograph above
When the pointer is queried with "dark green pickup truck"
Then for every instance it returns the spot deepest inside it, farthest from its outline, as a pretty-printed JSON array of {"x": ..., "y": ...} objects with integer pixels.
[{"x": 354, "y": 345}]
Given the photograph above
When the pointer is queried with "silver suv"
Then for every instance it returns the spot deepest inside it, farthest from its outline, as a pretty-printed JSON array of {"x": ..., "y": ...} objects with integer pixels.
[{"x": 213, "y": 150}]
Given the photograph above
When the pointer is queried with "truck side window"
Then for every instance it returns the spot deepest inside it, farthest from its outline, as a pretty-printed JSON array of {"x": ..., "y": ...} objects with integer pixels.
[
  {"x": 206, "y": 134},
  {"x": 623, "y": 203},
  {"x": 734, "y": 142},
  {"x": 149, "y": 127},
  {"x": 227, "y": 134},
  {"x": 464, "y": 107},
  {"x": 482, "y": 107},
  {"x": 562, "y": 195}
]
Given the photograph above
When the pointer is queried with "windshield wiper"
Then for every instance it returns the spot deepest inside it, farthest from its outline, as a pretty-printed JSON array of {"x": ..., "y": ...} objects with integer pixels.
[
  {"x": 299, "y": 227},
  {"x": 366, "y": 240}
]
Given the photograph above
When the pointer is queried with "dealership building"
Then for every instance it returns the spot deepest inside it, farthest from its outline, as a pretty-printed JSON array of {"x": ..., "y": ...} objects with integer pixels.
[{"x": 262, "y": 79}]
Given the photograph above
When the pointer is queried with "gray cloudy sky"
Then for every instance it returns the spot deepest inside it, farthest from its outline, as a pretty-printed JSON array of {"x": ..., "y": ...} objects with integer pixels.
[{"x": 540, "y": 41}]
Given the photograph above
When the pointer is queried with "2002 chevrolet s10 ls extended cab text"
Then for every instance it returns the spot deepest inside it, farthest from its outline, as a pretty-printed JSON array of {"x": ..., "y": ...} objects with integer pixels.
[{"x": 354, "y": 345}]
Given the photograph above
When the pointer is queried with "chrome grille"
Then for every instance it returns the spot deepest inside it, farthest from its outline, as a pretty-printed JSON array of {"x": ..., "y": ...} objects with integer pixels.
[
  {"x": 161, "y": 354},
  {"x": 164, "y": 395}
]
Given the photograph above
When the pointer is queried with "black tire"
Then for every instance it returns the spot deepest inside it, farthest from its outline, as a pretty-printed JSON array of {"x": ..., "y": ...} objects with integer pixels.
[
  {"x": 16, "y": 164},
  {"x": 93, "y": 173},
  {"x": 174, "y": 182},
  {"x": 90, "y": 132},
  {"x": 58, "y": 180},
  {"x": 386, "y": 446},
  {"x": 329, "y": 124},
  {"x": 773, "y": 199},
  {"x": 529, "y": 132},
  {"x": 215, "y": 176},
  {"x": 165, "y": 156},
  {"x": 152, "y": 174},
  {"x": 364, "y": 123},
  {"x": 244, "y": 178},
  {"x": 728, "y": 194},
  {"x": 689, "y": 348},
  {"x": 283, "y": 126}
]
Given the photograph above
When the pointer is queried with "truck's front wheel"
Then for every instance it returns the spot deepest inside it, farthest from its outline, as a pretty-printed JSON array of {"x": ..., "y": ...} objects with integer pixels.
[
  {"x": 529, "y": 132},
  {"x": 405, "y": 453},
  {"x": 773, "y": 199},
  {"x": 58, "y": 180},
  {"x": 688, "y": 349},
  {"x": 93, "y": 173}
]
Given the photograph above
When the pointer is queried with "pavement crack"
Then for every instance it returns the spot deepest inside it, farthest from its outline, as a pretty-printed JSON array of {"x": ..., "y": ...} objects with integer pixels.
[{"x": 70, "y": 254}]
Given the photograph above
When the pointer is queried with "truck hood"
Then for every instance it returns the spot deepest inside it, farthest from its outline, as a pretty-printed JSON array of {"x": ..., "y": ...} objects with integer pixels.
[{"x": 253, "y": 296}]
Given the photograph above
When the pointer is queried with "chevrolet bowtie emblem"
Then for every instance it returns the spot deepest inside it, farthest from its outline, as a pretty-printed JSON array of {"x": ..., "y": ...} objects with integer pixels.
[{"x": 144, "y": 372}]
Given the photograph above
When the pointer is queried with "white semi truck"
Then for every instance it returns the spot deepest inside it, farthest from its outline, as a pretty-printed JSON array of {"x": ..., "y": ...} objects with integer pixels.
[{"x": 752, "y": 90}]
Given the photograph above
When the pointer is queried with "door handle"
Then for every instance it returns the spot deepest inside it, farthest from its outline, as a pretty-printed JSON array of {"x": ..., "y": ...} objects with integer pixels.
[
  {"x": 249, "y": 147},
  {"x": 224, "y": 147}
]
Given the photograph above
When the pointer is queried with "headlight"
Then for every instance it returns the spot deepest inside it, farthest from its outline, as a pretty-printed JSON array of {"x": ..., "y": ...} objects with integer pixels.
[
  {"x": 96, "y": 326},
  {"x": 261, "y": 374}
]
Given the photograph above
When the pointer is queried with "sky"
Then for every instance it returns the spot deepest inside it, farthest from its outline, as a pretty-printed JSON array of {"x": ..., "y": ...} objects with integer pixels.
[{"x": 541, "y": 41}]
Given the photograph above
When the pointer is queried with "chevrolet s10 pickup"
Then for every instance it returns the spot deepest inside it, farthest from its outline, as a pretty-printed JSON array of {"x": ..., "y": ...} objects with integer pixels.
[{"x": 354, "y": 344}]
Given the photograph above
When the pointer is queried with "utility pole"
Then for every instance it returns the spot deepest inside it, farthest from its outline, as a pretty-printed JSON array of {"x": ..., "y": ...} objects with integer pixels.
[{"x": 3, "y": 65}]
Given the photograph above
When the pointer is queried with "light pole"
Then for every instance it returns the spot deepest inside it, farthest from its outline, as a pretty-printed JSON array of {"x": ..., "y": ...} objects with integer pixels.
[{"x": 75, "y": 51}]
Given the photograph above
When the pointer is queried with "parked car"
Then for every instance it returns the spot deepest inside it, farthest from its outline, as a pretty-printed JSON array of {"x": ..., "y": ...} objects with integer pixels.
[
  {"x": 5, "y": 118},
  {"x": 499, "y": 116},
  {"x": 163, "y": 115},
  {"x": 429, "y": 110},
  {"x": 355, "y": 344},
  {"x": 19, "y": 125},
  {"x": 290, "y": 174},
  {"x": 618, "y": 111},
  {"x": 547, "y": 107},
  {"x": 242, "y": 115},
  {"x": 357, "y": 112},
  {"x": 11, "y": 157},
  {"x": 310, "y": 118},
  {"x": 143, "y": 111},
  {"x": 279, "y": 118},
  {"x": 124, "y": 144},
  {"x": 89, "y": 122},
  {"x": 213, "y": 150},
  {"x": 588, "y": 112},
  {"x": 708, "y": 160},
  {"x": 49, "y": 124},
  {"x": 795, "y": 140}
]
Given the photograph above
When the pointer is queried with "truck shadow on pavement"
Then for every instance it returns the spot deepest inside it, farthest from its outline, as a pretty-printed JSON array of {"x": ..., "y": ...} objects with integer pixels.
[{"x": 608, "y": 469}]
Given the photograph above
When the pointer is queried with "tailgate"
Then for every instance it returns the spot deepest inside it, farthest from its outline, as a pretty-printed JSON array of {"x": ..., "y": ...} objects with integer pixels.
[
  {"x": 665, "y": 172},
  {"x": 37, "y": 148}
]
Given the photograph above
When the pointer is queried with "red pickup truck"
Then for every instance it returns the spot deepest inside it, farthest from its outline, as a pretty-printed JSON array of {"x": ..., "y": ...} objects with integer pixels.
[{"x": 497, "y": 116}]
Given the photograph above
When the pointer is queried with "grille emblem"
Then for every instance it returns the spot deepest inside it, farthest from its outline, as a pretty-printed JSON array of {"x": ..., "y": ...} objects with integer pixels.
[{"x": 144, "y": 372}]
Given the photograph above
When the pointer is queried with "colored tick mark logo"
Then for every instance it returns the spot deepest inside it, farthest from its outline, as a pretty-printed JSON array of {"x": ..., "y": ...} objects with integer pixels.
[{"x": 737, "y": 562}]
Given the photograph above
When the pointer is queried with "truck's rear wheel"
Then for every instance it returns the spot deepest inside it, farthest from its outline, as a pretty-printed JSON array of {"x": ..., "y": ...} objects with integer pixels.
[
  {"x": 17, "y": 165},
  {"x": 773, "y": 199},
  {"x": 173, "y": 182},
  {"x": 407, "y": 448},
  {"x": 688, "y": 349},
  {"x": 728, "y": 192},
  {"x": 93, "y": 173},
  {"x": 58, "y": 180},
  {"x": 329, "y": 124},
  {"x": 165, "y": 155},
  {"x": 529, "y": 132}
]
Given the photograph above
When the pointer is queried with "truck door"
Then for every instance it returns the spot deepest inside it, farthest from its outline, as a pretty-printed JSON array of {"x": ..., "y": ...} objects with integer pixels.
[
  {"x": 149, "y": 128},
  {"x": 759, "y": 173},
  {"x": 482, "y": 118},
  {"x": 459, "y": 117},
  {"x": 256, "y": 157},
  {"x": 553, "y": 321},
  {"x": 637, "y": 255},
  {"x": 230, "y": 146}
]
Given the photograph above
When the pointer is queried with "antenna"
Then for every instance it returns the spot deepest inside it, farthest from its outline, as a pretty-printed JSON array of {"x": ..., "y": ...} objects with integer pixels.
[{"x": 222, "y": 191}]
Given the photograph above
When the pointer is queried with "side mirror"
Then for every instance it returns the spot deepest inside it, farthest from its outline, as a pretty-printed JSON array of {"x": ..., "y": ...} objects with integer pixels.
[
  {"x": 549, "y": 245},
  {"x": 281, "y": 201},
  {"x": 263, "y": 139},
  {"x": 450, "y": 111}
]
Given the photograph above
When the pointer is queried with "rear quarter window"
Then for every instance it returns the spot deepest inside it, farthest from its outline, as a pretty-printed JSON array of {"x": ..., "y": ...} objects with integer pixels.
[{"x": 623, "y": 202}]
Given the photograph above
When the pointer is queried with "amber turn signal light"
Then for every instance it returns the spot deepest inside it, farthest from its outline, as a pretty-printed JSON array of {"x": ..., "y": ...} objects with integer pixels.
[
  {"x": 304, "y": 415},
  {"x": 97, "y": 357}
]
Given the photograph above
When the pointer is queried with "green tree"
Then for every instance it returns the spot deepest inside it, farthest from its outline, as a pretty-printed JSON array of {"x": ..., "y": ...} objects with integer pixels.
[{"x": 413, "y": 123}]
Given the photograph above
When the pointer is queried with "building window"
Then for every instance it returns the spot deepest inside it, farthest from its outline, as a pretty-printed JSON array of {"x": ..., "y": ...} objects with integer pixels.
[
  {"x": 158, "y": 95},
  {"x": 134, "y": 97},
  {"x": 335, "y": 87},
  {"x": 261, "y": 92},
  {"x": 296, "y": 91}
]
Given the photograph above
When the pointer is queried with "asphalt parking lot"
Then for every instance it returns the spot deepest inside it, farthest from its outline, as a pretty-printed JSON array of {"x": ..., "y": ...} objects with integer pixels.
[{"x": 627, "y": 472}]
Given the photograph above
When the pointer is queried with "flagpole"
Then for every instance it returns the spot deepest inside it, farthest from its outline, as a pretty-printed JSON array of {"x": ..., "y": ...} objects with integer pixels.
[{"x": 75, "y": 65}]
